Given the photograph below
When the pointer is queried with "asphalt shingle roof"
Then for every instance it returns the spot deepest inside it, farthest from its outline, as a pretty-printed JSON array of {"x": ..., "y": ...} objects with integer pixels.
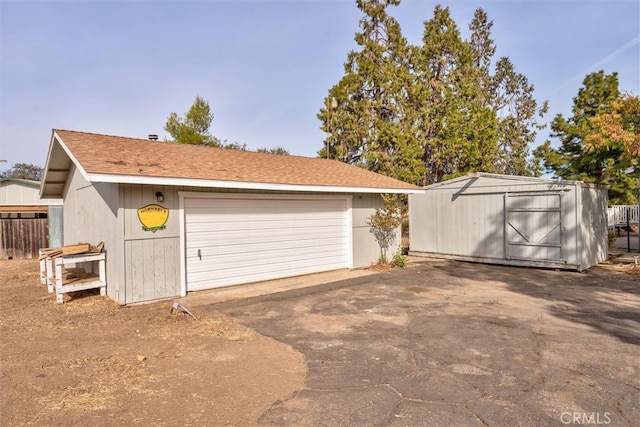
[{"x": 115, "y": 155}]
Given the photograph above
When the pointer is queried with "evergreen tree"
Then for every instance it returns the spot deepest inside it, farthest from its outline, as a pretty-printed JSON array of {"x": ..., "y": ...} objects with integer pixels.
[
  {"x": 457, "y": 122},
  {"x": 366, "y": 125},
  {"x": 590, "y": 149},
  {"x": 517, "y": 129},
  {"x": 278, "y": 150},
  {"x": 194, "y": 127},
  {"x": 435, "y": 65},
  {"x": 428, "y": 113},
  {"x": 510, "y": 97}
]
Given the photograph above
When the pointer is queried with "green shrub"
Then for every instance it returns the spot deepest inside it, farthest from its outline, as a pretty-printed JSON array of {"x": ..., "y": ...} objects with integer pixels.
[{"x": 399, "y": 260}]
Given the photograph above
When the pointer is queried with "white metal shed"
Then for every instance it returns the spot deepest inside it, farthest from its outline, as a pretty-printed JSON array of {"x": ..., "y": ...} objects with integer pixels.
[{"x": 513, "y": 220}]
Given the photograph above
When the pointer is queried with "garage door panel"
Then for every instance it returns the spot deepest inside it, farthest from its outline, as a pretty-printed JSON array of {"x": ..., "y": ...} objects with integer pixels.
[
  {"x": 248, "y": 240},
  {"x": 228, "y": 274},
  {"x": 293, "y": 249},
  {"x": 251, "y": 224},
  {"x": 332, "y": 244},
  {"x": 283, "y": 204},
  {"x": 204, "y": 281},
  {"x": 230, "y": 268},
  {"x": 246, "y": 210},
  {"x": 280, "y": 235},
  {"x": 206, "y": 218},
  {"x": 248, "y": 251},
  {"x": 234, "y": 207},
  {"x": 304, "y": 240},
  {"x": 297, "y": 249}
]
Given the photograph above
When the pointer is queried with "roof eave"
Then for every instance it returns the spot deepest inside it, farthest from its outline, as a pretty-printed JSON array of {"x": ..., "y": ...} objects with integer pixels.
[
  {"x": 46, "y": 164},
  {"x": 46, "y": 184},
  {"x": 241, "y": 185}
]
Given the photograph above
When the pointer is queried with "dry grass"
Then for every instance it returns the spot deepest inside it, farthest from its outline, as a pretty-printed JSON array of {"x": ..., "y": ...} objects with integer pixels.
[
  {"x": 633, "y": 269},
  {"x": 221, "y": 327},
  {"x": 91, "y": 361},
  {"x": 99, "y": 382},
  {"x": 101, "y": 385},
  {"x": 621, "y": 267},
  {"x": 382, "y": 266}
]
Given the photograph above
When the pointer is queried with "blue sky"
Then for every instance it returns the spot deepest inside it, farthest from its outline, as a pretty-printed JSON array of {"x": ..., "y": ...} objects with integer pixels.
[{"x": 121, "y": 67}]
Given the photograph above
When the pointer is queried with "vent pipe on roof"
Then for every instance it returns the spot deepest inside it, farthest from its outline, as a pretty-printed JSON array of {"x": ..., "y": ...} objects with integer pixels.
[{"x": 153, "y": 137}]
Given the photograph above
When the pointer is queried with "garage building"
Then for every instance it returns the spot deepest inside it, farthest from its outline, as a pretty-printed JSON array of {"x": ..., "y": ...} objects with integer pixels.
[
  {"x": 512, "y": 220},
  {"x": 176, "y": 218}
]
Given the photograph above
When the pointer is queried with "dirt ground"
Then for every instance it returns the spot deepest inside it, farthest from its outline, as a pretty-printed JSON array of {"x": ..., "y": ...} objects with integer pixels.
[{"x": 91, "y": 362}]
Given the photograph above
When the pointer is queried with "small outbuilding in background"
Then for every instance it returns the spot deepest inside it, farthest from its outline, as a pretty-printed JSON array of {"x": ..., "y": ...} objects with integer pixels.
[
  {"x": 27, "y": 222},
  {"x": 501, "y": 219}
]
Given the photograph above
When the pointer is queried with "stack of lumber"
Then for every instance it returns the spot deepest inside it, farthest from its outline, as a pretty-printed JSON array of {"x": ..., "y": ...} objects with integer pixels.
[
  {"x": 80, "y": 248},
  {"x": 72, "y": 268}
]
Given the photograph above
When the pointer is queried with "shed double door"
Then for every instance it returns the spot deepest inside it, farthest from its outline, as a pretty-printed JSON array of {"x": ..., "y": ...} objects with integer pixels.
[
  {"x": 244, "y": 239},
  {"x": 533, "y": 227}
]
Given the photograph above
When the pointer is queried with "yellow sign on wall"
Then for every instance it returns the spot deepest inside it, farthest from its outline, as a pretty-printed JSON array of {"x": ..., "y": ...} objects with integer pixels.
[{"x": 153, "y": 217}]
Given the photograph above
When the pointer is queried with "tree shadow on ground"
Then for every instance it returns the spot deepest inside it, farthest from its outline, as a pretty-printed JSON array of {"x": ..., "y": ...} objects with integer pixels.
[{"x": 605, "y": 300}]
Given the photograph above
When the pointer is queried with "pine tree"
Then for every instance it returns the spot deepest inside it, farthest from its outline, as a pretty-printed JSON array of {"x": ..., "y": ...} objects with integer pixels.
[
  {"x": 194, "y": 127},
  {"x": 588, "y": 150},
  {"x": 517, "y": 108},
  {"x": 510, "y": 97},
  {"x": 367, "y": 125},
  {"x": 457, "y": 123},
  {"x": 428, "y": 113}
]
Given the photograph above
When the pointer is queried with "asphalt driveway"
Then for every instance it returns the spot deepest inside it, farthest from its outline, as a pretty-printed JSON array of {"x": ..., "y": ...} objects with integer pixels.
[{"x": 447, "y": 343}]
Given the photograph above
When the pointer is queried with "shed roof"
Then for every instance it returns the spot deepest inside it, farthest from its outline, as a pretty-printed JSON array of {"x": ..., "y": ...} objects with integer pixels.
[
  {"x": 105, "y": 158},
  {"x": 492, "y": 179},
  {"x": 25, "y": 182}
]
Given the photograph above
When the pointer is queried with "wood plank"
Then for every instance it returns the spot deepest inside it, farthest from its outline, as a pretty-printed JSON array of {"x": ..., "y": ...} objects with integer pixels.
[
  {"x": 97, "y": 248},
  {"x": 75, "y": 249},
  {"x": 80, "y": 248},
  {"x": 30, "y": 209},
  {"x": 44, "y": 254}
]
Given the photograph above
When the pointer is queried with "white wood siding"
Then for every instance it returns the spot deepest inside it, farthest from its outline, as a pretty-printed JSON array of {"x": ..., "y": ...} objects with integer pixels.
[
  {"x": 91, "y": 215},
  {"x": 593, "y": 229},
  {"x": 17, "y": 194},
  {"x": 152, "y": 260},
  {"x": 561, "y": 223},
  {"x": 152, "y": 269},
  {"x": 469, "y": 224},
  {"x": 365, "y": 247},
  {"x": 241, "y": 239}
]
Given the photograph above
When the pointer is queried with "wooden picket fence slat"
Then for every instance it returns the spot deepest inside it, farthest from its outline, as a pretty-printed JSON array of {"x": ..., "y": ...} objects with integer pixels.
[{"x": 22, "y": 237}]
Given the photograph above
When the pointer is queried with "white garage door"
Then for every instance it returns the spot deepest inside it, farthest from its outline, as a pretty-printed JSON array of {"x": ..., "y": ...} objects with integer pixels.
[{"x": 232, "y": 240}]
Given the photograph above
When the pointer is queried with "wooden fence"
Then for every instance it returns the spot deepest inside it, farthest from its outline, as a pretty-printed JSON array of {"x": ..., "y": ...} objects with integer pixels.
[{"x": 22, "y": 237}]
